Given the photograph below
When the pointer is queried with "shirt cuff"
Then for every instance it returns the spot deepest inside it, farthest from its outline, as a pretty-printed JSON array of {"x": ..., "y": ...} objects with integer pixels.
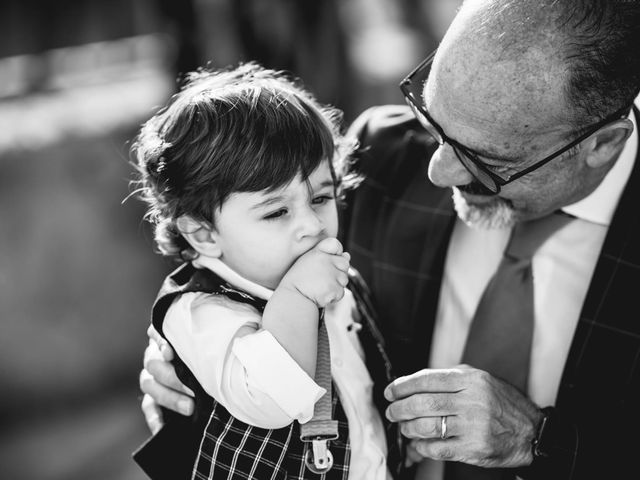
[{"x": 271, "y": 370}]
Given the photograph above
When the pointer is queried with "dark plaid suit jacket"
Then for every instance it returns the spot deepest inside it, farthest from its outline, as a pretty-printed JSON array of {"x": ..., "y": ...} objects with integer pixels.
[{"x": 397, "y": 230}]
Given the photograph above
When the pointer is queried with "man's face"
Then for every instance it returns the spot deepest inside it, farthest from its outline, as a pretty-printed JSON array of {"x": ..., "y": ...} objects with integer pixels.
[{"x": 512, "y": 109}]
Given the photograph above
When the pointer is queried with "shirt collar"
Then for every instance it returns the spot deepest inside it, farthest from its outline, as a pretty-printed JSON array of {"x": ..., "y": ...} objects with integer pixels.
[
  {"x": 600, "y": 205},
  {"x": 221, "y": 269}
]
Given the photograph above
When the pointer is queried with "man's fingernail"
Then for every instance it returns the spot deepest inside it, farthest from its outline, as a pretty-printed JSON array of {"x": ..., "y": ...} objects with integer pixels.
[
  {"x": 166, "y": 351},
  {"x": 388, "y": 394},
  {"x": 387, "y": 414},
  {"x": 188, "y": 391},
  {"x": 155, "y": 426},
  {"x": 185, "y": 407}
]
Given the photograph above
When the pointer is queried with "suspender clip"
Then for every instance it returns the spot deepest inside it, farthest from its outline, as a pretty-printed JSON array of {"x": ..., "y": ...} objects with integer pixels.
[{"x": 319, "y": 459}]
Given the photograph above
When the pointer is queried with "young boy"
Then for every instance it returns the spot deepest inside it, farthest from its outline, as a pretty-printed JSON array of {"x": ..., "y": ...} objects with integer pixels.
[{"x": 242, "y": 173}]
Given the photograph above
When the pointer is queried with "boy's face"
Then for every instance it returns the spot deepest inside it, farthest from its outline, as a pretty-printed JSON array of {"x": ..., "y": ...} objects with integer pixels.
[{"x": 261, "y": 234}]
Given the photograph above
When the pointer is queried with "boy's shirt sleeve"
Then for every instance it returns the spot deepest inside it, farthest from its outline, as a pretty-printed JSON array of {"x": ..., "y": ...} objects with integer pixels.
[{"x": 245, "y": 369}]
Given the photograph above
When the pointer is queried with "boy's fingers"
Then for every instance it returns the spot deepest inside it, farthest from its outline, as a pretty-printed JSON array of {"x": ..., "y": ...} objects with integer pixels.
[
  {"x": 340, "y": 263},
  {"x": 331, "y": 246}
]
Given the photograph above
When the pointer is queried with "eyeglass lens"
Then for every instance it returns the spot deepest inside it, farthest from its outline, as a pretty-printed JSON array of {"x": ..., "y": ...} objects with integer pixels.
[
  {"x": 483, "y": 177},
  {"x": 424, "y": 121}
]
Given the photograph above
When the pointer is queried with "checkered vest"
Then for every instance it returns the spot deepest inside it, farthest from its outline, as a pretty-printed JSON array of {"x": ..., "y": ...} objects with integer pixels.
[{"x": 212, "y": 444}]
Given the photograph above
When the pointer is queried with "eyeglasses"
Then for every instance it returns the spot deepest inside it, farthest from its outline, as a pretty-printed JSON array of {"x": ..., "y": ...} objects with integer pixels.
[{"x": 411, "y": 88}]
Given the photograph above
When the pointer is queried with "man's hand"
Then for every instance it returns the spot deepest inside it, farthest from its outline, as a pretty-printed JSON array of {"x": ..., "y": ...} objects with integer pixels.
[
  {"x": 321, "y": 273},
  {"x": 160, "y": 385},
  {"x": 489, "y": 422}
]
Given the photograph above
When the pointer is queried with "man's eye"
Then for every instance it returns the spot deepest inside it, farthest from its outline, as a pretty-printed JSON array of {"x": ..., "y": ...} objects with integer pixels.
[
  {"x": 276, "y": 214},
  {"x": 500, "y": 169},
  {"x": 320, "y": 199},
  {"x": 497, "y": 168}
]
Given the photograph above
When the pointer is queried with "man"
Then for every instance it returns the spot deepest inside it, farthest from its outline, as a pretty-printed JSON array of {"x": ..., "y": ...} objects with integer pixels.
[{"x": 530, "y": 106}]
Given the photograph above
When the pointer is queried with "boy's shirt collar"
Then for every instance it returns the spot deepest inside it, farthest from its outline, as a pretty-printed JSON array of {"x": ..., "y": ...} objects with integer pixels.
[{"x": 221, "y": 269}]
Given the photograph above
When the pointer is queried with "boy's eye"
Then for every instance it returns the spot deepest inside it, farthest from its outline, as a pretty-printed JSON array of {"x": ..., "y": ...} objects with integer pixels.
[
  {"x": 320, "y": 199},
  {"x": 276, "y": 214}
]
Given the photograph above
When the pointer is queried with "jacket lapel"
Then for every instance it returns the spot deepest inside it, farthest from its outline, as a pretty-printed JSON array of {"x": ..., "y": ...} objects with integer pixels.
[{"x": 603, "y": 296}]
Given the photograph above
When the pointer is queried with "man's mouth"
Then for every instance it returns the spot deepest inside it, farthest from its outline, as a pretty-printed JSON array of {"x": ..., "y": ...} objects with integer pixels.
[
  {"x": 475, "y": 189},
  {"x": 476, "y": 194}
]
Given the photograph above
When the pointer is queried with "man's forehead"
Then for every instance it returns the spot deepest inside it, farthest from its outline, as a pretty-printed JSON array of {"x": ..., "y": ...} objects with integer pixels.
[{"x": 505, "y": 96}]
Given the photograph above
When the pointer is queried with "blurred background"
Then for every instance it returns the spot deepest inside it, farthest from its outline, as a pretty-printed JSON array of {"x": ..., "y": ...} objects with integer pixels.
[{"x": 78, "y": 273}]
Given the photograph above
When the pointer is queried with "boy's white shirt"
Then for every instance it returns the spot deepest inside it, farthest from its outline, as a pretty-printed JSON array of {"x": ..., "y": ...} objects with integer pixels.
[{"x": 255, "y": 378}]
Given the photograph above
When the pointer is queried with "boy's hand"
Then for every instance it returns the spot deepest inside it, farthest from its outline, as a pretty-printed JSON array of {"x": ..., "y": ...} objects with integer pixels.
[{"x": 321, "y": 273}]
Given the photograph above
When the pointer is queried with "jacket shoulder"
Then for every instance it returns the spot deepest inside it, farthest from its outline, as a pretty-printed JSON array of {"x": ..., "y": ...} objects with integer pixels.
[
  {"x": 382, "y": 124},
  {"x": 383, "y": 133}
]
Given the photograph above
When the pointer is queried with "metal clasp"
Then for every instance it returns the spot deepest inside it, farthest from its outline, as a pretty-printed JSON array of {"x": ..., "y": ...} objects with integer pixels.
[{"x": 319, "y": 459}]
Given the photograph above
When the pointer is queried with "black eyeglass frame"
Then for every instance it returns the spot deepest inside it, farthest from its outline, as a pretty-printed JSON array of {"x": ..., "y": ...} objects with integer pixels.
[{"x": 464, "y": 153}]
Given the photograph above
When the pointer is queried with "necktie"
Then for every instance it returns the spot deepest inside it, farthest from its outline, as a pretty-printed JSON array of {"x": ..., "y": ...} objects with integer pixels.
[{"x": 501, "y": 331}]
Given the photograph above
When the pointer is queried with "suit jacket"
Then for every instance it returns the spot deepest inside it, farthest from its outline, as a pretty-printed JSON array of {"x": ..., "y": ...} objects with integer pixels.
[{"x": 398, "y": 228}]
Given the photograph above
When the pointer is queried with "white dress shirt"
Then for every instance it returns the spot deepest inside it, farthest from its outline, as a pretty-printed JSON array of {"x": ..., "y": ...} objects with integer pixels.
[
  {"x": 562, "y": 271},
  {"x": 255, "y": 378}
]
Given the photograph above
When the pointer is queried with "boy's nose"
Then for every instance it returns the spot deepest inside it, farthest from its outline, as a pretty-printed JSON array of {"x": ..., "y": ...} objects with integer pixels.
[
  {"x": 310, "y": 225},
  {"x": 446, "y": 170}
]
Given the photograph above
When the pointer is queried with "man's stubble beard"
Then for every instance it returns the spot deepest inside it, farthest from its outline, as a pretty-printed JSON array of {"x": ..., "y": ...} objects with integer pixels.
[{"x": 495, "y": 214}]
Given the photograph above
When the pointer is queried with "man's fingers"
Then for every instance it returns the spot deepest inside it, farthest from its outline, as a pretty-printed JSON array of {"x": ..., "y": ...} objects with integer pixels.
[
  {"x": 165, "y": 396},
  {"x": 153, "y": 334},
  {"x": 420, "y": 405},
  {"x": 164, "y": 373},
  {"x": 426, "y": 381},
  {"x": 152, "y": 414},
  {"x": 152, "y": 352},
  {"x": 158, "y": 346},
  {"x": 438, "y": 449},
  {"x": 412, "y": 455},
  {"x": 430, "y": 427}
]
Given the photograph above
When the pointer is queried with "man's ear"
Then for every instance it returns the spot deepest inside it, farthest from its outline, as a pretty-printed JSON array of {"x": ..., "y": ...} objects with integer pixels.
[
  {"x": 608, "y": 142},
  {"x": 199, "y": 235}
]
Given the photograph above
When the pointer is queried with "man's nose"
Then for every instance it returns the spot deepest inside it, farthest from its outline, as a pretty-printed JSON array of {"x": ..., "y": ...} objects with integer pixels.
[{"x": 446, "y": 170}]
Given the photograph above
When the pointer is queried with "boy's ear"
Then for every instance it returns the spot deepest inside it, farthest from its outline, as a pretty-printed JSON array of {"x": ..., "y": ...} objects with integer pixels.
[
  {"x": 199, "y": 235},
  {"x": 608, "y": 141}
]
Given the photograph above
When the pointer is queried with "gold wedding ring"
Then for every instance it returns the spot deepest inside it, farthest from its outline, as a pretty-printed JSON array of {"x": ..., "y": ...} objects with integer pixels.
[{"x": 443, "y": 427}]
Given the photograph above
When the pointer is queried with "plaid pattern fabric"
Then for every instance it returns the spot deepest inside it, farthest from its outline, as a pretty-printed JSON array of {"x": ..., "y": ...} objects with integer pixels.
[
  {"x": 398, "y": 229},
  {"x": 233, "y": 450}
]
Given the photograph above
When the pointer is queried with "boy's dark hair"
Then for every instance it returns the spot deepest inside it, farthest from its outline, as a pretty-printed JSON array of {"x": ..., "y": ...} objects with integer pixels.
[{"x": 243, "y": 130}]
